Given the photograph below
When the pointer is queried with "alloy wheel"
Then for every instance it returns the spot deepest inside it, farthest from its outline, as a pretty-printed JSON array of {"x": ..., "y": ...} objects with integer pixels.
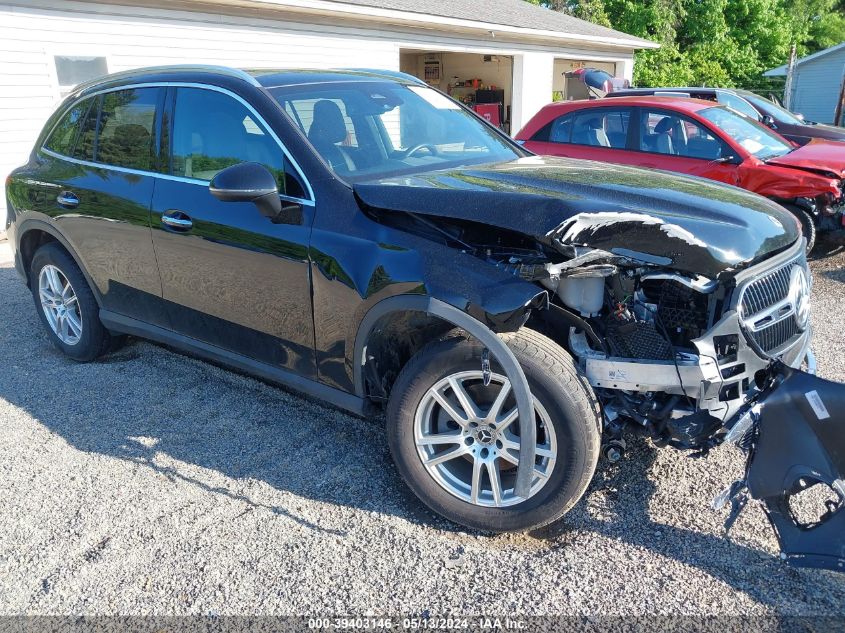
[
  {"x": 467, "y": 438},
  {"x": 60, "y": 304}
]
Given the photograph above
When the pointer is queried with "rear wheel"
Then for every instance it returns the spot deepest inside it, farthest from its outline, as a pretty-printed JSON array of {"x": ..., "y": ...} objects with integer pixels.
[
  {"x": 65, "y": 304},
  {"x": 456, "y": 441}
]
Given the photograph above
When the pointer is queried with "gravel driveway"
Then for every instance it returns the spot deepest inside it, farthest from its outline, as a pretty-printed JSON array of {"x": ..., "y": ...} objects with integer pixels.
[{"x": 150, "y": 482}]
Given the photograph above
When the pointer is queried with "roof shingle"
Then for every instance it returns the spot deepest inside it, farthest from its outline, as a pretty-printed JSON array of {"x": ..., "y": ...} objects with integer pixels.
[{"x": 516, "y": 13}]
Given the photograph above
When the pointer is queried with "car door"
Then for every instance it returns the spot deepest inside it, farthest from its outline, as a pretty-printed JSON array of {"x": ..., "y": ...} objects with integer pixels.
[
  {"x": 231, "y": 277},
  {"x": 669, "y": 140},
  {"x": 97, "y": 175}
]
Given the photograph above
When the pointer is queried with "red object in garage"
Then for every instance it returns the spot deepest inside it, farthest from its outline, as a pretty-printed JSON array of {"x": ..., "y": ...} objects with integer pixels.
[{"x": 489, "y": 111}]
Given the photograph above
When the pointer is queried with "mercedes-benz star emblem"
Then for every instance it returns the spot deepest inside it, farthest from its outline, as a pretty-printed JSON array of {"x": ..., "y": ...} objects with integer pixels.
[
  {"x": 485, "y": 436},
  {"x": 799, "y": 296}
]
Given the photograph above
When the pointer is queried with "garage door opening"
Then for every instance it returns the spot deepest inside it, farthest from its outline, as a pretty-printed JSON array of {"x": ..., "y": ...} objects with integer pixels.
[{"x": 482, "y": 82}]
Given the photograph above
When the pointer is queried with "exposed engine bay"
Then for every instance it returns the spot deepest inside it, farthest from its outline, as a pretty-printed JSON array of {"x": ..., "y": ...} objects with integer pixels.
[{"x": 675, "y": 355}]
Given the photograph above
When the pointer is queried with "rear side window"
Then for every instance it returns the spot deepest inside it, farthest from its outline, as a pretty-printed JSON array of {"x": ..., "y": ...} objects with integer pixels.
[
  {"x": 596, "y": 127},
  {"x": 127, "y": 128},
  {"x": 62, "y": 138},
  {"x": 561, "y": 130},
  {"x": 119, "y": 129},
  {"x": 212, "y": 131}
]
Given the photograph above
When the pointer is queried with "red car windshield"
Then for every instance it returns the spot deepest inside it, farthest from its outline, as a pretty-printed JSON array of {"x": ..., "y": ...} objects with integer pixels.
[{"x": 756, "y": 139}]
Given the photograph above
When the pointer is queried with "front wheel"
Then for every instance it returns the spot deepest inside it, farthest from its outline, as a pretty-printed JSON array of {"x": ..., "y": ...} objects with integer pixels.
[
  {"x": 456, "y": 441},
  {"x": 808, "y": 224}
]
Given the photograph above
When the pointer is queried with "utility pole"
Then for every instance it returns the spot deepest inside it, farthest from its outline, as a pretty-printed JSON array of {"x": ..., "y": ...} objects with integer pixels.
[
  {"x": 790, "y": 71},
  {"x": 839, "y": 113}
]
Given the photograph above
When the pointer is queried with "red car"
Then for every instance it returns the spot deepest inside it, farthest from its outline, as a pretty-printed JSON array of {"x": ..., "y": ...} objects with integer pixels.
[{"x": 699, "y": 138}]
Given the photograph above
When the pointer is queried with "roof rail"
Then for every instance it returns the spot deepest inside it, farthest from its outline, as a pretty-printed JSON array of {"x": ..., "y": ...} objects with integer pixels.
[
  {"x": 210, "y": 68},
  {"x": 395, "y": 74}
]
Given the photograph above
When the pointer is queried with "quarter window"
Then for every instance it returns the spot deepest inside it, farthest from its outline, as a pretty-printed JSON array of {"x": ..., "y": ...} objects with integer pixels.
[
  {"x": 64, "y": 134},
  {"x": 212, "y": 131},
  {"x": 86, "y": 142}
]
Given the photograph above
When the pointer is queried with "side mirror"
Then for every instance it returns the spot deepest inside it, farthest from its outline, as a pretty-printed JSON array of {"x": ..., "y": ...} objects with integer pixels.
[
  {"x": 768, "y": 121},
  {"x": 248, "y": 182}
]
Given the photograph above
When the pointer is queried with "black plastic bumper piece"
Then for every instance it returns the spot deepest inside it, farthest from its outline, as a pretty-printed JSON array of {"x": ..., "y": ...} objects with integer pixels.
[{"x": 800, "y": 444}]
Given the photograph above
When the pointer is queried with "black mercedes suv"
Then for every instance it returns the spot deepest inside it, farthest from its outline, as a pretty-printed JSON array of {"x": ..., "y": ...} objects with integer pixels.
[{"x": 363, "y": 239}]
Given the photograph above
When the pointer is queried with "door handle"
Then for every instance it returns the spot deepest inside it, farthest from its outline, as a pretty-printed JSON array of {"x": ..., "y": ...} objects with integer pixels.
[
  {"x": 177, "y": 220},
  {"x": 67, "y": 199}
]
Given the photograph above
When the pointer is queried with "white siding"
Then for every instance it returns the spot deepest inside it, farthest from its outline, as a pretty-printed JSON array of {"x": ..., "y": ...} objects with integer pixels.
[
  {"x": 30, "y": 37},
  {"x": 816, "y": 86},
  {"x": 135, "y": 36}
]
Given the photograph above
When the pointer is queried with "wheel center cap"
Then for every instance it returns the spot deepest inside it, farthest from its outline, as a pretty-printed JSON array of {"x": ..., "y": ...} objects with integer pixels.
[{"x": 485, "y": 435}]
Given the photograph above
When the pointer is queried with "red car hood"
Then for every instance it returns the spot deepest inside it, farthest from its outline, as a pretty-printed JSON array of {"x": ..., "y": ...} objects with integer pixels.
[{"x": 817, "y": 155}]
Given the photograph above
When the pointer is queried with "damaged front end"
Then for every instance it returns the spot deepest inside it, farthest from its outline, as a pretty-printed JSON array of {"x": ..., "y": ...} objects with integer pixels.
[
  {"x": 794, "y": 434},
  {"x": 682, "y": 311}
]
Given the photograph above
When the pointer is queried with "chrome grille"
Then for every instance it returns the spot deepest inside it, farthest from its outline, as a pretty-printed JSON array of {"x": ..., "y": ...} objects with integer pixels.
[
  {"x": 776, "y": 336},
  {"x": 764, "y": 293}
]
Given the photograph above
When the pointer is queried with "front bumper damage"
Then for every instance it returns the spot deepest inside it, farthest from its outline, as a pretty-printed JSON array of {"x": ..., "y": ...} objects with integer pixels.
[{"x": 794, "y": 434}]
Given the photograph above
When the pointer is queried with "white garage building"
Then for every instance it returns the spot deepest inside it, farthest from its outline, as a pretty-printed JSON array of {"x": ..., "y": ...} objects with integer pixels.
[{"x": 511, "y": 50}]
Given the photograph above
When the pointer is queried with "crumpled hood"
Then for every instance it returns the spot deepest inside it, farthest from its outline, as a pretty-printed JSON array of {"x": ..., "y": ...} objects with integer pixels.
[
  {"x": 689, "y": 224},
  {"x": 817, "y": 156}
]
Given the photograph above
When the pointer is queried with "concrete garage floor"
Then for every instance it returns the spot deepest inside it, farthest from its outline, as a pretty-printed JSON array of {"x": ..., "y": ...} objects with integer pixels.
[{"x": 149, "y": 483}]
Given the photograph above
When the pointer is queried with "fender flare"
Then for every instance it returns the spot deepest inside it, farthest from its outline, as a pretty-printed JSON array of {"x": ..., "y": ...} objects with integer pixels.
[
  {"x": 487, "y": 337},
  {"x": 40, "y": 225}
]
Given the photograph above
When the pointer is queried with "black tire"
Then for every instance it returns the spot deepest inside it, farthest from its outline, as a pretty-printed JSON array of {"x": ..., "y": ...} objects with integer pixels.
[
  {"x": 94, "y": 339},
  {"x": 808, "y": 225},
  {"x": 554, "y": 382}
]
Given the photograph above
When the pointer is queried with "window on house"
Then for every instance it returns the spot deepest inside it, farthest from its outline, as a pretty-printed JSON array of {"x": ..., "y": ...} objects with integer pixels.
[{"x": 71, "y": 70}]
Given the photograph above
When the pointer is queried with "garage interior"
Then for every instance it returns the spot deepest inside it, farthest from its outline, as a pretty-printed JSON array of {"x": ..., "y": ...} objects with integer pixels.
[
  {"x": 485, "y": 82},
  {"x": 482, "y": 82}
]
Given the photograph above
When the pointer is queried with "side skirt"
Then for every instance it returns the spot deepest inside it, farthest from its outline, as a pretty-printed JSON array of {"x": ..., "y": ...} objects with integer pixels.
[{"x": 127, "y": 325}]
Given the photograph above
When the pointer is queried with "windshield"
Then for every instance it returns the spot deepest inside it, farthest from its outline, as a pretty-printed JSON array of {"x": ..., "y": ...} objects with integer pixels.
[
  {"x": 778, "y": 113},
  {"x": 368, "y": 130},
  {"x": 756, "y": 139}
]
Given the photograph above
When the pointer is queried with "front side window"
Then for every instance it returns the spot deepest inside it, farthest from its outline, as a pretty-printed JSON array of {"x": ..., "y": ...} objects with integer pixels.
[
  {"x": 779, "y": 114},
  {"x": 366, "y": 130},
  {"x": 64, "y": 135},
  {"x": 670, "y": 133},
  {"x": 755, "y": 138},
  {"x": 212, "y": 131}
]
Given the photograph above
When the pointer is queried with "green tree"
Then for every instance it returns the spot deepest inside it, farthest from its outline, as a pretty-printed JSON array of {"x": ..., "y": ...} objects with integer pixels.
[{"x": 714, "y": 42}]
